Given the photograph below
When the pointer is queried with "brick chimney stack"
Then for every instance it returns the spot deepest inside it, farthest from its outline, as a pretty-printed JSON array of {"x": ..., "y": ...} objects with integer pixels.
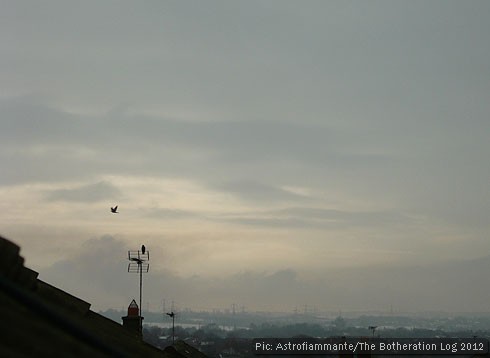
[{"x": 132, "y": 320}]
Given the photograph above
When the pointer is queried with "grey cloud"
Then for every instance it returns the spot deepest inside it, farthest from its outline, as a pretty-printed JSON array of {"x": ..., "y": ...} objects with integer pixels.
[
  {"x": 86, "y": 193},
  {"x": 98, "y": 271},
  {"x": 261, "y": 221},
  {"x": 383, "y": 105},
  {"x": 351, "y": 218},
  {"x": 290, "y": 217},
  {"x": 258, "y": 192},
  {"x": 41, "y": 143},
  {"x": 396, "y": 48},
  {"x": 120, "y": 135},
  {"x": 25, "y": 123},
  {"x": 311, "y": 217},
  {"x": 98, "y": 274},
  {"x": 166, "y": 213},
  {"x": 248, "y": 159}
]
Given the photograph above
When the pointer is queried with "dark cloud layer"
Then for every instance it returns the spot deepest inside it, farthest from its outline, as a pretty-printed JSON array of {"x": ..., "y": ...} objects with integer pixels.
[
  {"x": 69, "y": 144},
  {"x": 458, "y": 286}
]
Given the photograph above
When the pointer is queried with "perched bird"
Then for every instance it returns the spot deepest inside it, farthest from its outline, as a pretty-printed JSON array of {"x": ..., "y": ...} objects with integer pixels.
[
  {"x": 171, "y": 314},
  {"x": 114, "y": 210},
  {"x": 143, "y": 249}
]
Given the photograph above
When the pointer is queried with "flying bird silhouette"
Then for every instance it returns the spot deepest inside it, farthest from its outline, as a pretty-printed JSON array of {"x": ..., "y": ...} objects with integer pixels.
[{"x": 114, "y": 210}]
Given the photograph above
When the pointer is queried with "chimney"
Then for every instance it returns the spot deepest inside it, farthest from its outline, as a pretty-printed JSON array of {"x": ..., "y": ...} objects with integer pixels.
[{"x": 132, "y": 320}]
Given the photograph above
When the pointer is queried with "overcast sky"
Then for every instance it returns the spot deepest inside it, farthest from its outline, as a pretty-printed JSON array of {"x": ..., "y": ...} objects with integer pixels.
[{"x": 284, "y": 146}]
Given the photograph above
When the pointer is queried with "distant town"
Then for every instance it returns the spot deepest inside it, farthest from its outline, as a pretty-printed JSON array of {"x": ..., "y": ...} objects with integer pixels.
[{"x": 228, "y": 332}]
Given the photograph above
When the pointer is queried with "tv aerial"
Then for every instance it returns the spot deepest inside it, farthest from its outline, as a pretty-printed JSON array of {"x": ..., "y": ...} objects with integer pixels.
[{"x": 138, "y": 263}]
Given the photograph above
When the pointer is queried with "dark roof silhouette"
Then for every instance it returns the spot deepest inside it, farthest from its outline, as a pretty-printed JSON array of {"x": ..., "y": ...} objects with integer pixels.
[{"x": 41, "y": 320}]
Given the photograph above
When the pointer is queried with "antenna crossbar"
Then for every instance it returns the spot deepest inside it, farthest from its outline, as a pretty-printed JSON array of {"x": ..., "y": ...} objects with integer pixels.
[
  {"x": 138, "y": 255},
  {"x": 134, "y": 267}
]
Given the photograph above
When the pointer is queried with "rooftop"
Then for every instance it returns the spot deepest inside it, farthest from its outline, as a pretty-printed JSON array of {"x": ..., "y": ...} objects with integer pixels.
[{"x": 39, "y": 319}]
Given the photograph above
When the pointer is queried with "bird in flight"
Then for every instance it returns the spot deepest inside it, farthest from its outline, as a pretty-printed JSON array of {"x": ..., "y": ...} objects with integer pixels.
[{"x": 114, "y": 210}]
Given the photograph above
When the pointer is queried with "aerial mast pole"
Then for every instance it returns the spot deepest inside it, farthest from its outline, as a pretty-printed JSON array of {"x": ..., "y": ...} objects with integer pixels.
[{"x": 138, "y": 263}]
